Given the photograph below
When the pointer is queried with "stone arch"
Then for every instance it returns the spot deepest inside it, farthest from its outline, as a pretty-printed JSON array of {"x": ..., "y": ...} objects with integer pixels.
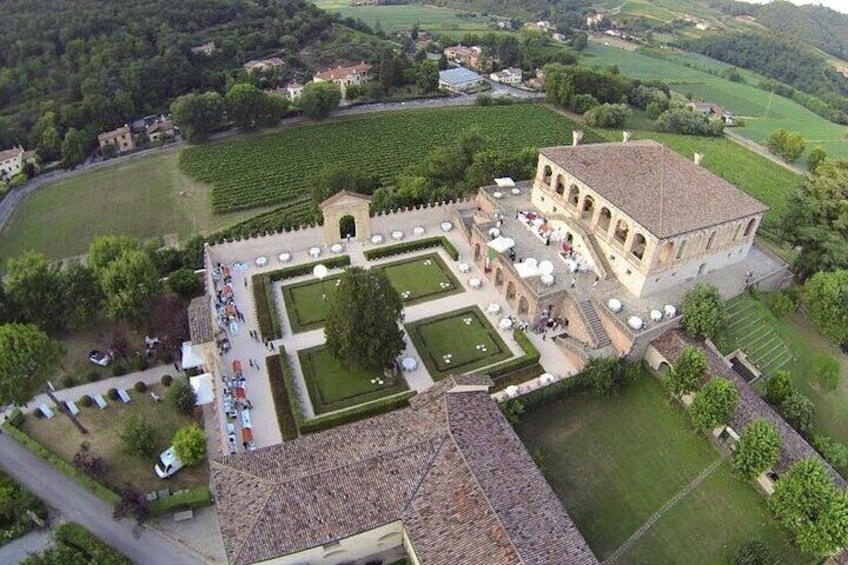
[
  {"x": 749, "y": 228},
  {"x": 346, "y": 203},
  {"x": 667, "y": 252},
  {"x": 498, "y": 277},
  {"x": 347, "y": 227},
  {"x": 546, "y": 174},
  {"x": 639, "y": 244},
  {"x": 663, "y": 368},
  {"x": 573, "y": 195},
  {"x": 510, "y": 290},
  {"x": 588, "y": 208},
  {"x": 559, "y": 187},
  {"x": 523, "y": 305},
  {"x": 681, "y": 251},
  {"x": 604, "y": 219},
  {"x": 621, "y": 231},
  {"x": 711, "y": 241}
]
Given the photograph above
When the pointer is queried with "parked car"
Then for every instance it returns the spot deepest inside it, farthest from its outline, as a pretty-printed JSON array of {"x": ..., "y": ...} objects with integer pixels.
[
  {"x": 169, "y": 464},
  {"x": 99, "y": 358}
]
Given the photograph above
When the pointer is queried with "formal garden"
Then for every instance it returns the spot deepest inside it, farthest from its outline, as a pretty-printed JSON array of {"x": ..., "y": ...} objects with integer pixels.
[
  {"x": 616, "y": 460},
  {"x": 457, "y": 342},
  {"x": 335, "y": 385},
  {"x": 417, "y": 279}
]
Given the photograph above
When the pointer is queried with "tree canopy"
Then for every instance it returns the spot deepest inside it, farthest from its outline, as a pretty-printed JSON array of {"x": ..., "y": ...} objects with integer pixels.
[
  {"x": 704, "y": 311},
  {"x": 788, "y": 144},
  {"x": 714, "y": 404},
  {"x": 28, "y": 357},
  {"x": 363, "y": 320},
  {"x": 758, "y": 449},
  {"x": 826, "y": 297},
  {"x": 807, "y": 502},
  {"x": 319, "y": 99},
  {"x": 685, "y": 376},
  {"x": 190, "y": 445}
]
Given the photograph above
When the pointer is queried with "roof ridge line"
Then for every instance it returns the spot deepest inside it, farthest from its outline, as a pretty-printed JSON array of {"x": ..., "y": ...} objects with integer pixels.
[{"x": 423, "y": 477}]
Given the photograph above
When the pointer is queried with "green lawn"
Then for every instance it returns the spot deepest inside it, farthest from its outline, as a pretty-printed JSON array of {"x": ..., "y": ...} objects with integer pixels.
[
  {"x": 805, "y": 343},
  {"x": 391, "y": 18},
  {"x": 62, "y": 438},
  {"x": 761, "y": 178},
  {"x": 762, "y": 111},
  {"x": 615, "y": 461},
  {"x": 464, "y": 335},
  {"x": 425, "y": 277},
  {"x": 145, "y": 198},
  {"x": 334, "y": 385}
]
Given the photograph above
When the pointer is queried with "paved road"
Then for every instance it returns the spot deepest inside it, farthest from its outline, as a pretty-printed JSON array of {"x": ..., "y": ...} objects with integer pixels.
[
  {"x": 77, "y": 504},
  {"x": 19, "y": 549}
]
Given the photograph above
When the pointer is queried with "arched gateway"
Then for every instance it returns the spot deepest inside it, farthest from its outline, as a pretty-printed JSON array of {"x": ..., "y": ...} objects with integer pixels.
[{"x": 346, "y": 214}]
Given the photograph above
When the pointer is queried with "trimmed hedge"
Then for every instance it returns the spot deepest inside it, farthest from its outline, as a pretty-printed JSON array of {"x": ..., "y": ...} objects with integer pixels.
[
  {"x": 409, "y": 246},
  {"x": 86, "y": 545},
  {"x": 280, "y": 395},
  {"x": 352, "y": 414},
  {"x": 502, "y": 372},
  {"x": 100, "y": 490},
  {"x": 267, "y": 315},
  {"x": 197, "y": 497}
]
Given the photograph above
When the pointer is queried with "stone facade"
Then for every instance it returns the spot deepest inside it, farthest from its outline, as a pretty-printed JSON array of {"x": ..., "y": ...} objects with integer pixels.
[{"x": 341, "y": 205}]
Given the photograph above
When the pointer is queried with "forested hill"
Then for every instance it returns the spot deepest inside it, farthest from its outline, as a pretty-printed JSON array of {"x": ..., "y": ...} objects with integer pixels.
[
  {"x": 96, "y": 63},
  {"x": 817, "y": 25}
]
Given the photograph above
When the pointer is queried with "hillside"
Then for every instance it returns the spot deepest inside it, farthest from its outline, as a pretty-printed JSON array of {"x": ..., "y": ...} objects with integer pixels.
[{"x": 817, "y": 25}]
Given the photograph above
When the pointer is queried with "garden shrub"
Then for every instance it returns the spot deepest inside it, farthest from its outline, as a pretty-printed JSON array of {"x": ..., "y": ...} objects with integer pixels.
[
  {"x": 139, "y": 437},
  {"x": 112, "y": 394},
  {"x": 67, "y": 381},
  {"x": 282, "y": 402},
  {"x": 167, "y": 380},
  {"x": 834, "y": 452},
  {"x": 182, "y": 397},
  {"x": 92, "y": 376},
  {"x": 826, "y": 371},
  {"x": 16, "y": 417},
  {"x": 410, "y": 246},
  {"x": 15, "y": 503},
  {"x": 140, "y": 386},
  {"x": 75, "y": 540},
  {"x": 781, "y": 304},
  {"x": 755, "y": 552},
  {"x": 141, "y": 364},
  {"x": 118, "y": 370},
  {"x": 86, "y": 401}
]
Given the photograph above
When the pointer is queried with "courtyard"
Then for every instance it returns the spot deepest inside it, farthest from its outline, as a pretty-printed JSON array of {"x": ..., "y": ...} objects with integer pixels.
[
  {"x": 418, "y": 279},
  {"x": 616, "y": 461}
]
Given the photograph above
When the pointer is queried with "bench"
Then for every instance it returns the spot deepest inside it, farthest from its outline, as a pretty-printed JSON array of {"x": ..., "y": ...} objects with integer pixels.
[
  {"x": 125, "y": 398},
  {"x": 48, "y": 413},
  {"x": 72, "y": 407},
  {"x": 100, "y": 401},
  {"x": 184, "y": 515},
  {"x": 155, "y": 397}
]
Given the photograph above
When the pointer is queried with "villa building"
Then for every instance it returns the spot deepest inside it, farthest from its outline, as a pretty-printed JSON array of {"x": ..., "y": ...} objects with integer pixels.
[
  {"x": 345, "y": 77},
  {"x": 121, "y": 138},
  {"x": 11, "y": 162},
  {"x": 443, "y": 481}
]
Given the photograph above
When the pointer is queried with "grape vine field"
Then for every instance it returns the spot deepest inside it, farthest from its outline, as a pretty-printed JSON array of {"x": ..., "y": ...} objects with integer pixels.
[{"x": 275, "y": 169}]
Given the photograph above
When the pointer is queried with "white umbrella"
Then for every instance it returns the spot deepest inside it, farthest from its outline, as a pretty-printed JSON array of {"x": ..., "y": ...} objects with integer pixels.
[
  {"x": 320, "y": 271},
  {"x": 409, "y": 364},
  {"x": 493, "y": 308},
  {"x": 376, "y": 238},
  {"x": 505, "y": 324},
  {"x": 546, "y": 379},
  {"x": 511, "y": 391},
  {"x": 614, "y": 304},
  {"x": 656, "y": 315},
  {"x": 670, "y": 311},
  {"x": 501, "y": 244},
  {"x": 418, "y": 230},
  {"x": 447, "y": 226},
  {"x": 635, "y": 322},
  {"x": 261, "y": 261},
  {"x": 336, "y": 248},
  {"x": 284, "y": 257}
]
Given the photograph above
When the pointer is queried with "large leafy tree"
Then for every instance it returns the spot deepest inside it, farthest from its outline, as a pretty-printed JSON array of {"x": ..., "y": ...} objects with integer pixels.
[
  {"x": 245, "y": 105},
  {"x": 714, "y": 404},
  {"x": 105, "y": 249},
  {"x": 363, "y": 320},
  {"x": 427, "y": 77},
  {"x": 197, "y": 115},
  {"x": 319, "y": 99},
  {"x": 138, "y": 437},
  {"x": 129, "y": 283},
  {"x": 816, "y": 219},
  {"x": 807, "y": 502},
  {"x": 685, "y": 376},
  {"x": 83, "y": 297},
  {"x": 27, "y": 359},
  {"x": 778, "y": 387},
  {"x": 798, "y": 411},
  {"x": 190, "y": 445},
  {"x": 704, "y": 311},
  {"x": 788, "y": 144},
  {"x": 826, "y": 300},
  {"x": 73, "y": 148},
  {"x": 37, "y": 291},
  {"x": 758, "y": 449},
  {"x": 332, "y": 178}
]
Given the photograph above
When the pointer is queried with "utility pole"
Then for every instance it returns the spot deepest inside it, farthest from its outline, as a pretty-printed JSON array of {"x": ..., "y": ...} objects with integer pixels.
[{"x": 64, "y": 409}]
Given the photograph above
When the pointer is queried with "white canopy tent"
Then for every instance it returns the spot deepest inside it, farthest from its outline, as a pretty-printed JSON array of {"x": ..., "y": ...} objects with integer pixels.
[
  {"x": 501, "y": 243},
  {"x": 202, "y": 385},
  {"x": 191, "y": 356},
  {"x": 505, "y": 182},
  {"x": 527, "y": 268}
]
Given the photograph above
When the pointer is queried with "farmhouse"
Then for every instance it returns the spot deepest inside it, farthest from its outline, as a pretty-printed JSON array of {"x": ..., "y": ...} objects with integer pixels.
[
  {"x": 344, "y": 77},
  {"x": 459, "y": 80},
  {"x": 11, "y": 162},
  {"x": 445, "y": 481},
  {"x": 664, "y": 351},
  {"x": 160, "y": 130},
  {"x": 121, "y": 138},
  {"x": 512, "y": 75},
  {"x": 471, "y": 57}
]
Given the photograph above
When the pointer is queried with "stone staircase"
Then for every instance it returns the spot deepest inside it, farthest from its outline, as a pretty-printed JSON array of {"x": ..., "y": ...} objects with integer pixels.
[{"x": 596, "y": 328}]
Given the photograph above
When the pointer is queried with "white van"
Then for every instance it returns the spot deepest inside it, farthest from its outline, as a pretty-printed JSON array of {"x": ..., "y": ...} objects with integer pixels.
[{"x": 168, "y": 464}]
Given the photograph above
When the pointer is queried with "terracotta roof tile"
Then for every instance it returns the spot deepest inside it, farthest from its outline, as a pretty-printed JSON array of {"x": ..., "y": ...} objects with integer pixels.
[
  {"x": 330, "y": 200},
  {"x": 658, "y": 188},
  {"x": 342, "y": 72},
  {"x": 200, "y": 327}
]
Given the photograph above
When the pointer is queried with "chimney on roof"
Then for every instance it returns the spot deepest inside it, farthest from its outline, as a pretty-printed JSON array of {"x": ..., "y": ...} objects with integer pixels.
[
  {"x": 698, "y": 158},
  {"x": 576, "y": 137},
  {"x": 625, "y": 136}
]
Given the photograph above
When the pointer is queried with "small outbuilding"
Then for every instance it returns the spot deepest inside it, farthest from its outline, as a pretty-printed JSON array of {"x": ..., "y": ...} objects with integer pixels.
[{"x": 459, "y": 80}]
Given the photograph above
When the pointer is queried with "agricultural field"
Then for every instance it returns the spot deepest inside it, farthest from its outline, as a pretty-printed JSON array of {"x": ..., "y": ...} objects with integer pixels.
[
  {"x": 761, "y": 111},
  {"x": 144, "y": 198},
  {"x": 392, "y": 18},
  {"x": 275, "y": 168}
]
